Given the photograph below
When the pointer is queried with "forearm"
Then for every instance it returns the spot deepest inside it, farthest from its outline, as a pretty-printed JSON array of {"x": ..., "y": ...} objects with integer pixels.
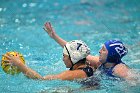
[
  {"x": 93, "y": 61},
  {"x": 67, "y": 75},
  {"x": 51, "y": 77},
  {"x": 29, "y": 72},
  {"x": 59, "y": 40}
]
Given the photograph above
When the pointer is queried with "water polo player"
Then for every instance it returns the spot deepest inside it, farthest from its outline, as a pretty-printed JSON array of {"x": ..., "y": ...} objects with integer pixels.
[
  {"x": 110, "y": 59},
  {"x": 111, "y": 55},
  {"x": 74, "y": 57}
]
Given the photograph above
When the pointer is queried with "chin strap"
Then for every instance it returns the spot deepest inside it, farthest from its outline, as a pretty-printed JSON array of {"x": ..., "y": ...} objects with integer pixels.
[{"x": 69, "y": 58}]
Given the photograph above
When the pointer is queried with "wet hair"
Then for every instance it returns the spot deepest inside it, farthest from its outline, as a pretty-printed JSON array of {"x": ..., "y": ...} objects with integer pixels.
[{"x": 82, "y": 61}]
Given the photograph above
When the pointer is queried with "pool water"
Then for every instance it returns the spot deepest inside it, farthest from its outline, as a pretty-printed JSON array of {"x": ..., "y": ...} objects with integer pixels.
[{"x": 93, "y": 21}]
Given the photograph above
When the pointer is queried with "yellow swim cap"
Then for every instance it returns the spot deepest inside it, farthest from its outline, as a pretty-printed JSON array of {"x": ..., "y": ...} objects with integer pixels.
[{"x": 10, "y": 69}]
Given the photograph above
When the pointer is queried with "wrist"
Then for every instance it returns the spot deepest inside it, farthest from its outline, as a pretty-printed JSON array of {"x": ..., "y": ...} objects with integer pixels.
[
  {"x": 18, "y": 63},
  {"x": 54, "y": 35}
]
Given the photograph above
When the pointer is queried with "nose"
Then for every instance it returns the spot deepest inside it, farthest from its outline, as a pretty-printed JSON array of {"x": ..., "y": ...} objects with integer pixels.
[{"x": 100, "y": 51}]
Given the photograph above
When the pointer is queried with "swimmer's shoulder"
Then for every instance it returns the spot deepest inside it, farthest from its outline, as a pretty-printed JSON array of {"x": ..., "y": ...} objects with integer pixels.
[{"x": 120, "y": 70}]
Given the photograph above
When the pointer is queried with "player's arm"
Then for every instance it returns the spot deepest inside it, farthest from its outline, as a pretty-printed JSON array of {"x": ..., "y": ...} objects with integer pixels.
[
  {"x": 93, "y": 61},
  {"x": 126, "y": 73},
  {"x": 15, "y": 60},
  {"x": 51, "y": 32},
  {"x": 67, "y": 75}
]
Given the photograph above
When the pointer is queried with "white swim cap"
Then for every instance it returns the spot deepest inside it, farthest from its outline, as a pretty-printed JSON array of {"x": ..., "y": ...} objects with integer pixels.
[{"x": 76, "y": 50}]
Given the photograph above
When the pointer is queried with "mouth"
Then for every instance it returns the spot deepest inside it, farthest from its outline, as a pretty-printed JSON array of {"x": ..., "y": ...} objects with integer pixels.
[{"x": 100, "y": 58}]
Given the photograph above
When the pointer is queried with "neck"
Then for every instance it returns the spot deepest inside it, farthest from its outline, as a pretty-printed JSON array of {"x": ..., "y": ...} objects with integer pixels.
[
  {"x": 78, "y": 65},
  {"x": 108, "y": 65}
]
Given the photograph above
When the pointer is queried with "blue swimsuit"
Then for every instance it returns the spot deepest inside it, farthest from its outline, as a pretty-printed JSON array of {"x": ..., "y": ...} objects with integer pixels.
[{"x": 108, "y": 71}]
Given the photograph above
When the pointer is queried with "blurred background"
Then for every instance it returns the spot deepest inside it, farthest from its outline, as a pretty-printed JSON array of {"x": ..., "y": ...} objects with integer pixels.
[{"x": 93, "y": 21}]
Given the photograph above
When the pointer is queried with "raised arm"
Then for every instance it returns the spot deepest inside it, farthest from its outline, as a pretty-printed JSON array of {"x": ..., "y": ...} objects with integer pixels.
[
  {"x": 93, "y": 61},
  {"x": 51, "y": 32}
]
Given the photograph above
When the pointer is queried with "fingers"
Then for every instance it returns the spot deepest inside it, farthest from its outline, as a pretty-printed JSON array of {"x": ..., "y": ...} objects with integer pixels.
[
  {"x": 7, "y": 64},
  {"x": 50, "y": 26},
  {"x": 8, "y": 56},
  {"x": 44, "y": 28},
  {"x": 47, "y": 25},
  {"x": 49, "y": 29},
  {"x": 6, "y": 61}
]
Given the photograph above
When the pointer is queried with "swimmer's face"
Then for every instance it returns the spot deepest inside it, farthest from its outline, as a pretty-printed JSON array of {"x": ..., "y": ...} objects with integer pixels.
[
  {"x": 103, "y": 54},
  {"x": 67, "y": 61}
]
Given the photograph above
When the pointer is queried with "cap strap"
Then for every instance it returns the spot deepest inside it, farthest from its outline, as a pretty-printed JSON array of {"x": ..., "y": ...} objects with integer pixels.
[{"x": 69, "y": 57}]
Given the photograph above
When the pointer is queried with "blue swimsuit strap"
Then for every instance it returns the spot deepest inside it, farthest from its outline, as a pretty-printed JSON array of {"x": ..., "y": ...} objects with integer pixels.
[{"x": 110, "y": 70}]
